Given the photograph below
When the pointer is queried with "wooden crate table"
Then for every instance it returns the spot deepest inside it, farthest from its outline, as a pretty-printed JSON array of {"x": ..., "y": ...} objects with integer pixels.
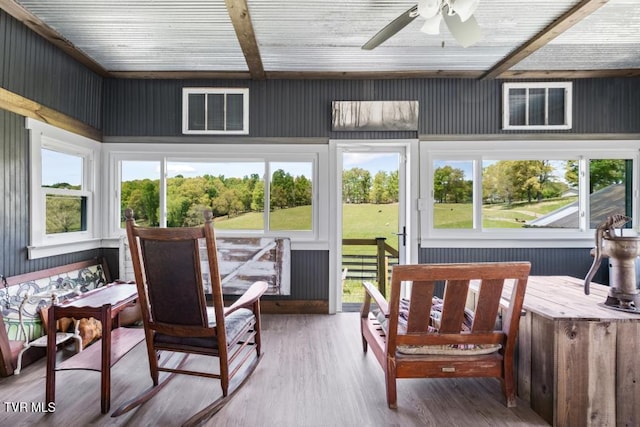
[
  {"x": 103, "y": 304},
  {"x": 578, "y": 362}
]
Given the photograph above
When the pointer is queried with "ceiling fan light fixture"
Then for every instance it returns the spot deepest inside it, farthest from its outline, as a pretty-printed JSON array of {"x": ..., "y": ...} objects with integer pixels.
[
  {"x": 429, "y": 8},
  {"x": 464, "y": 8},
  {"x": 432, "y": 25}
]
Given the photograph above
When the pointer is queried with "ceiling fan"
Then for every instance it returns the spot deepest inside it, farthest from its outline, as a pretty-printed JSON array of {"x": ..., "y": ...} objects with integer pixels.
[{"x": 457, "y": 14}]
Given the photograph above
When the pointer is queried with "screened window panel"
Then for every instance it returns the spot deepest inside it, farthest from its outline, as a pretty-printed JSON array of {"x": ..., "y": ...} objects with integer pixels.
[
  {"x": 235, "y": 111},
  {"x": 517, "y": 107},
  {"x": 196, "y": 111},
  {"x": 536, "y": 107},
  {"x": 556, "y": 106},
  {"x": 215, "y": 112}
]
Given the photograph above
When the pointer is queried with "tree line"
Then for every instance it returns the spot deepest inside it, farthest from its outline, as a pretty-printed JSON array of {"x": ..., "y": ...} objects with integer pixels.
[
  {"x": 225, "y": 196},
  {"x": 359, "y": 187},
  {"x": 507, "y": 181}
]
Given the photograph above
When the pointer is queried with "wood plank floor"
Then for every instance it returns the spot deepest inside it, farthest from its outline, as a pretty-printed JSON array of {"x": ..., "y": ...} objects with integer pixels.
[{"x": 313, "y": 373}]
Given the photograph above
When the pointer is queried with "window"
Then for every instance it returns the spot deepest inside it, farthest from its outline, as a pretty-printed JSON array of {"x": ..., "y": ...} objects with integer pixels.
[
  {"x": 63, "y": 182},
  {"x": 290, "y": 196},
  {"x": 233, "y": 190},
  {"x": 524, "y": 191},
  {"x": 537, "y": 106},
  {"x": 140, "y": 191},
  {"x": 272, "y": 192},
  {"x": 215, "y": 111},
  {"x": 62, "y": 186}
]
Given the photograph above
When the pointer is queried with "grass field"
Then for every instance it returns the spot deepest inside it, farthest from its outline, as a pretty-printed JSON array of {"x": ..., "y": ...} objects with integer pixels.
[
  {"x": 298, "y": 218},
  {"x": 460, "y": 215},
  {"x": 368, "y": 221}
]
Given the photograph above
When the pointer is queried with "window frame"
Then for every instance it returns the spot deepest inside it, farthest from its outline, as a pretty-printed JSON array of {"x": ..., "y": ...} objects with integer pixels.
[
  {"x": 215, "y": 91},
  {"x": 44, "y": 136},
  {"x": 568, "y": 105},
  {"x": 317, "y": 155},
  {"x": 477, "y": 151}
]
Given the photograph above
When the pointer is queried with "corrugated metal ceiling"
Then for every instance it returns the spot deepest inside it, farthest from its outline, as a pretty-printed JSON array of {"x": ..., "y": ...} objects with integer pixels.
[
  {"x": 146, "y": 35},
  {"x": 326, "y": 36}
]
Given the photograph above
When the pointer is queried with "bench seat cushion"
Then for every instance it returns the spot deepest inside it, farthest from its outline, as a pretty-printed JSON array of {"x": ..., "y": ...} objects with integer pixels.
[{"x": 434, "y": 325}]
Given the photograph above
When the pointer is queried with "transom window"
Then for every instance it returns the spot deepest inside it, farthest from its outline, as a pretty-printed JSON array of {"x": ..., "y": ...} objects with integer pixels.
[
  {"x": 215, "y": 111},
  {"x": 537, "y": 105}
]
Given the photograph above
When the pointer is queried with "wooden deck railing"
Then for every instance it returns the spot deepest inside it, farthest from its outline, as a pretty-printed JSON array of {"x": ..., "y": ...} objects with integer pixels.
[{"x": 373, "y": 267}]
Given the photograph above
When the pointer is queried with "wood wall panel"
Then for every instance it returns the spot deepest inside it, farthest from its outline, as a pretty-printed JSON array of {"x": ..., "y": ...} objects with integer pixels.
[
  {"x": 299, "y": 108},
  {"x": 34, "y": 68}
]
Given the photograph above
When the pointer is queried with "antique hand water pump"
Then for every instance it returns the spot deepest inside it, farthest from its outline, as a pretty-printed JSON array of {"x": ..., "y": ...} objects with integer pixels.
[{"x": 622, "y": 252}]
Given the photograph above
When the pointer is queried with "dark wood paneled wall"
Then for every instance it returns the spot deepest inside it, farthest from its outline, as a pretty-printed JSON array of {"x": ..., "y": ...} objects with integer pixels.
[
  {"x": 297, "y": 108},
  {"x": 544, "y": 261},
  {"x": 34, "y": 68}
]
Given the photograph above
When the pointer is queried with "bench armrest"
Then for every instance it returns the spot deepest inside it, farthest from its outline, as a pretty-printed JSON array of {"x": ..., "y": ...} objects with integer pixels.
[{"x": 374, "y": 293}]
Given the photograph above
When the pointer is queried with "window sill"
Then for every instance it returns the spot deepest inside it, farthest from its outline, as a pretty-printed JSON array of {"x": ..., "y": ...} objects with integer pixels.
[
  {"x": 496, "y": 242},
  {"x": 43, "y": 251}
]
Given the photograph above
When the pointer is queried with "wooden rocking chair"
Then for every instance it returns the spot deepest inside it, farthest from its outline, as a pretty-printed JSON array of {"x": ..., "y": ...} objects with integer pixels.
[
  {"x": 427, "y": 337},
  {"x": 167, "y": 267}
]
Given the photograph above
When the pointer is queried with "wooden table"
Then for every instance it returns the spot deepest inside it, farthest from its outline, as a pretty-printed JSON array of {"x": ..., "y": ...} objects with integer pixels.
[
  {"x": 103, "y": 304},
  {"x": 578, "y": 362}
]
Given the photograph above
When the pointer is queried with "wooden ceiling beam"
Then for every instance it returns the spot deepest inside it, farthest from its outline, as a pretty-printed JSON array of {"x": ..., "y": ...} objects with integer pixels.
[
  {"x": 378, "y": 75},
  {"x": 239, "y": 14},
  {"x": 553, "y": 30},
  {"x": 39, "y": 27},
  {"x": 25, "y": 107},
  {"x": 570, "y": 74}
]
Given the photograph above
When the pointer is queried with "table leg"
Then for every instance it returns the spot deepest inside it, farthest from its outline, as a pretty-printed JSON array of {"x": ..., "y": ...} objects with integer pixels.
[
  {"x": 50, "y": 390},
  {"x": 105, "y": 383}
]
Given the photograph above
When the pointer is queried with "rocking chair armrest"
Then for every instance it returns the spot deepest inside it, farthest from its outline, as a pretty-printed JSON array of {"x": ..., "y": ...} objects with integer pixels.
[
  {"x": 253, "y": 294},
  {"x": 374, "y": 293}
]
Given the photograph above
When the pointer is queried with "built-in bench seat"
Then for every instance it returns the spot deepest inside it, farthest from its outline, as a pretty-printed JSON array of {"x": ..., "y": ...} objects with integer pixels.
[{"x": 65, "y": 281}]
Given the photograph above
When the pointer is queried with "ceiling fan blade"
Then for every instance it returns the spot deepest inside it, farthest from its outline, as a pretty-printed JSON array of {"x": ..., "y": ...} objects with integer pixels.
[
  {"x": 466, "y": 33},
  {"x": 392, "y": 28}
]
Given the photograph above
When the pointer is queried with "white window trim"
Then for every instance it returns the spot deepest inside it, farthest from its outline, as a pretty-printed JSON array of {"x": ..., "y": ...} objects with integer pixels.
[
  {"x": 42, "y": 245},
  {"x": 206, "y": 91},
  {"x": 315, "y": 239},
  {"x": 568, "y": 110},
  {"x": 503, "y": 150}
]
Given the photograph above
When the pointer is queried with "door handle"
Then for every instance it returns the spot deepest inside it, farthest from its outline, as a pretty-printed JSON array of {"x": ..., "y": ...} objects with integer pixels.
[{"x": 404, "y": 235}]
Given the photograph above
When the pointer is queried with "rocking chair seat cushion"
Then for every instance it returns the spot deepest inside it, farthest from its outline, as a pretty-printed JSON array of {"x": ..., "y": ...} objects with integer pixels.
[{"x": 234, "y": 323}]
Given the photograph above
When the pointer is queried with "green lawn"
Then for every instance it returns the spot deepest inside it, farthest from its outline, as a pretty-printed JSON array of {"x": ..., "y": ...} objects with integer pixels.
[
  {"x": 298, "y": 218},
  {"x": 368, "y": 221},
  {"x": 460, "y": 215}
]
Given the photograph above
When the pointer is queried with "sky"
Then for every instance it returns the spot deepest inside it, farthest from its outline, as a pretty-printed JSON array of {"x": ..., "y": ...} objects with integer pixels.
[
  {"x": 139, "y": 169},
  {"x": 373, "y": 162},
  {"x": 59, "y": 167}
]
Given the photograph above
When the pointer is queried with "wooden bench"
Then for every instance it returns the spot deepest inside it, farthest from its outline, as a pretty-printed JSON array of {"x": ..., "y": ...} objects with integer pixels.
[{"x": 78, "y": 278}]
